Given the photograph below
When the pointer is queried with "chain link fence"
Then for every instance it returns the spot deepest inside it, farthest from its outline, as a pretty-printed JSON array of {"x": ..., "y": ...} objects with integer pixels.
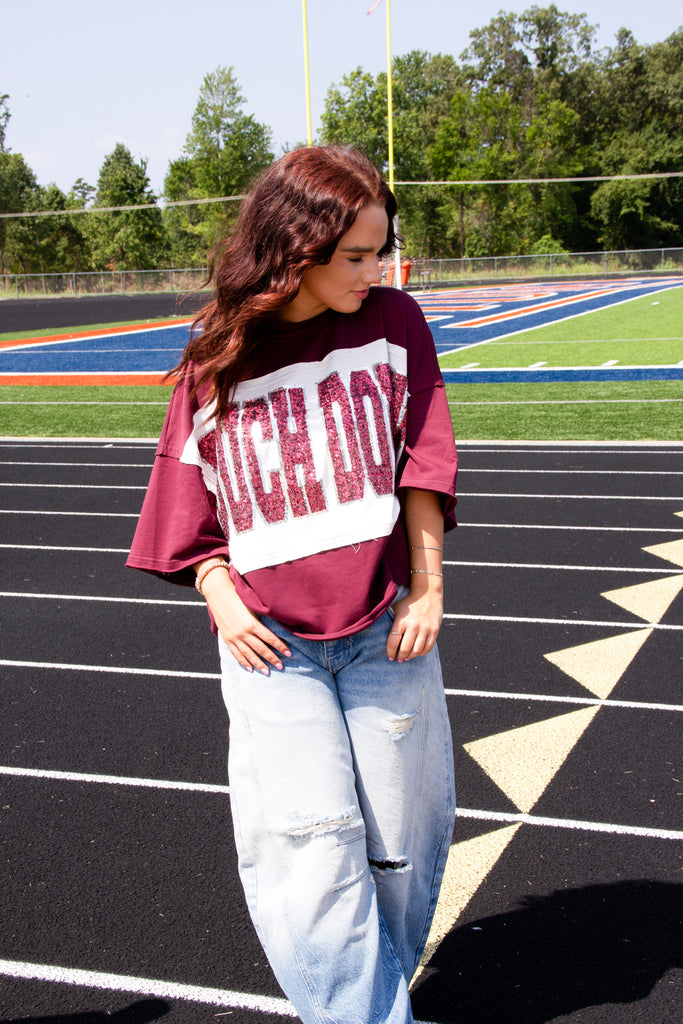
[{"x": 419, "y": 273}]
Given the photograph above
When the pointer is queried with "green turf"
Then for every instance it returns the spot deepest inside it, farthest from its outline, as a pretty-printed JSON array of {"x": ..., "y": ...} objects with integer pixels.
[
  {"x": 628, "y": 411},
  {"x": 47, "y": 411},
  {"x": 612, "y": 411},
  {"x": 619, "y": 410},
  {"x": 642, "y": 332}
]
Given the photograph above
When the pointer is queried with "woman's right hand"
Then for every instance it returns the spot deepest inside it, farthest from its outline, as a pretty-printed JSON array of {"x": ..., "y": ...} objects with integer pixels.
[{"x": 248, "y": 640}]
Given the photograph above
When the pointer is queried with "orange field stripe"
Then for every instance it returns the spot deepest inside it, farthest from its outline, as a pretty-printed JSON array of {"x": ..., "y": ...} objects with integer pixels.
[
  {"x": 81, "y": 379},
  {"x": 75, "y": 336}
]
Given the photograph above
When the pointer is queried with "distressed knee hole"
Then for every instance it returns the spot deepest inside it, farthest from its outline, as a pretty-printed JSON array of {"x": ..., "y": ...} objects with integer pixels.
[
  {"x": 401, "y": 726},
  {"x": 304, "y": 828},
  {"x": 385, "y": 866}
]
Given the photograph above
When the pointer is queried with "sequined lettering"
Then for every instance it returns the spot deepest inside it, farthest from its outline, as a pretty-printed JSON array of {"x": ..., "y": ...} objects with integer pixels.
[
  {"x": 256, "y": 420},
  {"x": 233, "y": 492},
  {"x": 349, "y": 476},
  {"x": 372, "y": 431},
  {"x": 295, "y": 446},
  {"x": 394, "y": 387}
]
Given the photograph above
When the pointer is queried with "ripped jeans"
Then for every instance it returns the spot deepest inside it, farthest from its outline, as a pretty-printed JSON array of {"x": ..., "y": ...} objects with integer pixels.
[{"x": 341, "y": 783}]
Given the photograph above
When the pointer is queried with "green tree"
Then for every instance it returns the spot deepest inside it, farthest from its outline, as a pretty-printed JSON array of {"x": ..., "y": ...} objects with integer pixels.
[
  {"x": 223, "y": 152},
  {"x": 48, "y": 245},
  {"x": 641, "y": 132},
  {"x": 227, "y": 146},
  {"x": 355, "y": 113},
  {"x": 17, "y": 185},
  {"x": 184, "y": 223},
  {"x": 126, "y": 239},
  {"x": 4, "y": 119}
]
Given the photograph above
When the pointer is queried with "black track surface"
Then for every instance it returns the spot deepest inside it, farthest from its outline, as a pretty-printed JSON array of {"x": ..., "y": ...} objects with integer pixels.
[
  {"x": 35, "y": 314},
  {"x": 571, "y": 924}
]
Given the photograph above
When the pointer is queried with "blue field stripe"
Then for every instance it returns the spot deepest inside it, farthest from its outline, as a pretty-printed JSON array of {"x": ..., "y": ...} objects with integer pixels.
[{"x": 566, "y": 374}]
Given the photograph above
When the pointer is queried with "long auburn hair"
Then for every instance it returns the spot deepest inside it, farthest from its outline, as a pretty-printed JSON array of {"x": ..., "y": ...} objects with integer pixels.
[{"x": 291, "y": 220}]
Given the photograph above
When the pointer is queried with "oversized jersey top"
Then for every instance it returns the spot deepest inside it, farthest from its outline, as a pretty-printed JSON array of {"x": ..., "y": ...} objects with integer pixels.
[{"x": 301, "y": 484}]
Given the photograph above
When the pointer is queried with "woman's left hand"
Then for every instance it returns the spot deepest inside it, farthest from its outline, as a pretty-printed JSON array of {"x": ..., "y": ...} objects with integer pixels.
[{"x": 416, "y": 625}]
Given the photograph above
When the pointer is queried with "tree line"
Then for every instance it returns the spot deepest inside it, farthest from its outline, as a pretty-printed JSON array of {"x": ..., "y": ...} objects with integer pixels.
[{"x": 530, "y": 98}]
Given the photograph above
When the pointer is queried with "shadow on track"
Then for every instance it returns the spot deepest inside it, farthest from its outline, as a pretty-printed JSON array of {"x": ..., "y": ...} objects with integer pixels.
[
  {"x": 556, "y": 955},
  {"x": 137, "y": 1013}
]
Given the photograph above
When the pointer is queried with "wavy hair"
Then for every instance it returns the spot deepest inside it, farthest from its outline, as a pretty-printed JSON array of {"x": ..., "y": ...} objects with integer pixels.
[{"x": 291, "y": 220}]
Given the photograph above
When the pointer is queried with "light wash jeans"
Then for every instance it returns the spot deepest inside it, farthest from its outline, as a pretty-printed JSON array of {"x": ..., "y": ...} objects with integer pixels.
[{"x": 341, "y": 783}]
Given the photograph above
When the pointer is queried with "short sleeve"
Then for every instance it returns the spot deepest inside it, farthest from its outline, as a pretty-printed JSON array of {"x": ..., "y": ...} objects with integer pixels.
[{"x": 178, "y": 524}]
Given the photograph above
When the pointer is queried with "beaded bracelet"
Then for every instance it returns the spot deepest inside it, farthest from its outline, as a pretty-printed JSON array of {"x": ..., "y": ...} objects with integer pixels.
[
  {"x": 213, "y": 563},
  {"x": 426, "y": 572}
]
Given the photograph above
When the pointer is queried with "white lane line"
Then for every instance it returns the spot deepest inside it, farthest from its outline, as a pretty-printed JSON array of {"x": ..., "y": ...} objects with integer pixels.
[
  {"x": 181, "y": 674},
  {"x": 113, "y": 600},
  {"x": 55, "y": 512},
  {"x": 585, "y": 826},
  {"x": 490, "y": 565},
  {"x": 86, "y": 465},
  {"x": 582, "y": 448},
  {"x": 61, "y": 547},
  {"x": 79, "y": 487},
  {"x": 150, "y": 987},
  {"x": 537, "y": 401},
  {"x": 530, "y": 620},
  {"x": 121, "y": 670},
  {"x": 66, "y": 444},
  {"x": 544, "y": 526},
  {"x": 19, "y": 402},
  {"x": 448, "y": 615},
  {"x": 487, "y": 526},
  {"x": 147, "y": 987},
  {"x": 546, "y": 698},
  {"x": 579, "y": 472},
  {"x": 575, "y": 497},
  {"x": 113, "y": 780},
  {"x": 655, "y": 571}
]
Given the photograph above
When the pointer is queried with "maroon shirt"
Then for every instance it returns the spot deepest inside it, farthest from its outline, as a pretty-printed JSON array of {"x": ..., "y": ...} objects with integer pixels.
[{"x": 301, "y": 484}]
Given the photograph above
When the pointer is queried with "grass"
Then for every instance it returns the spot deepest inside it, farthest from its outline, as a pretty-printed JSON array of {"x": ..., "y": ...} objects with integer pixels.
[
  {"x": 639, "y": 332},
  {"x": 612, "y": 411},
  {"x": 74, "y": 411}
]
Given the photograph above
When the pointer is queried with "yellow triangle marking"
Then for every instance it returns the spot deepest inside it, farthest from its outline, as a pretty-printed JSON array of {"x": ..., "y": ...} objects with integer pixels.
[
  {"x": 467, "y": 866},
  {"x": 647, "y": 600},
  {"x": 678, "y": 513},
  {"x": 522, "y": 761},
  {"x": 672, "y": 551},
  {"x": 600, "y": 664}
]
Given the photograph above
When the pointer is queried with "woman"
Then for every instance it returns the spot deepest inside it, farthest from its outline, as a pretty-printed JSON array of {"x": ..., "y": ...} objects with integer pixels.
[{"x": 303, "y": 478}]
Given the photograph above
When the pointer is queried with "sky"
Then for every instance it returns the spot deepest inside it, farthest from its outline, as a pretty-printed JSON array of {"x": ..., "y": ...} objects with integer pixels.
[{"x": 83, "y": 75}]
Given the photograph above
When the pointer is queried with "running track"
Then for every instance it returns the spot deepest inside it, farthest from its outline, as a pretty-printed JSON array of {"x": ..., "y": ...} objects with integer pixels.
[{"x": 561, "y": 651}]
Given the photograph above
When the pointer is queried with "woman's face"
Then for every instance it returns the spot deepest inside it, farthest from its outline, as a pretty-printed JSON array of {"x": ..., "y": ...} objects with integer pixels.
[{"x": 344, "y": 282}]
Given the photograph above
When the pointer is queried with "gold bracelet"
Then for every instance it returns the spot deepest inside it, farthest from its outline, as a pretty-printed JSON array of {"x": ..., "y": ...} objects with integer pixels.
[
  {"x": 421, "y": 547},
  {"x": 426, "y": 572},
  {"x": 213, "y": 563}
]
